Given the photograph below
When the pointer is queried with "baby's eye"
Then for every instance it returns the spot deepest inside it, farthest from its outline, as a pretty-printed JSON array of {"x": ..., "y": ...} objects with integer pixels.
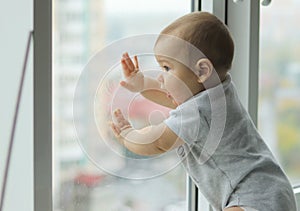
[{"x": 166, "y": 68}]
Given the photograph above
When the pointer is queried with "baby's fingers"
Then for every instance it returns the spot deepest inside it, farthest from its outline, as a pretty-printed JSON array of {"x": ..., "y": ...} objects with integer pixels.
[
  {"x": 119, "y": 116},
  {"x": 115, "y": 129},
  {"x": 121, "y": 122},
  {"x": 129, "y": 62},
  {"x": 136, "y": 63},
  {"x": 125, "y": 68},
  {"x": 126, "y": 85}
]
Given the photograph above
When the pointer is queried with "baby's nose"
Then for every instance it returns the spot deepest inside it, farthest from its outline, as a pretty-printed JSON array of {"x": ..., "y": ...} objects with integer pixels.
[{"x": 160, "y": 79}]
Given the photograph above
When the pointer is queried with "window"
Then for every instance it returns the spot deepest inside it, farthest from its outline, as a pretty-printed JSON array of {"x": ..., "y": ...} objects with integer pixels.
[
  {"x": 80, "y": 29},
  {"x": 279, "y": 83},
  {"x": 83, "y": 190}
]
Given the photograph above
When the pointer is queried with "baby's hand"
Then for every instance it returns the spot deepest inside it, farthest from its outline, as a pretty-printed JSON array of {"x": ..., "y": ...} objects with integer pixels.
[
  {"x": 134, "y": 78},
  {"x": 120, "y": 125}
]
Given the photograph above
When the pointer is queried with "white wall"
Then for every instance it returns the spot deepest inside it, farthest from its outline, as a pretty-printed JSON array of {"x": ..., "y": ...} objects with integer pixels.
[{"x": 16, "y": 20}]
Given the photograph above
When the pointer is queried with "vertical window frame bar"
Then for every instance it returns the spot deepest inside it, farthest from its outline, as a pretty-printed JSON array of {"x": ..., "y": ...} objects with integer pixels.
[
  {"x": 246, "y": 12},
  {"x": 254, "y": 60},
  {"x": 42, "y": 89},
  {"x": 192, "y": 190}
]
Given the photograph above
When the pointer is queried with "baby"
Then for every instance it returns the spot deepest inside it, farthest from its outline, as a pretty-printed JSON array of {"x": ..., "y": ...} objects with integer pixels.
[{"x": 219, "y": 145}]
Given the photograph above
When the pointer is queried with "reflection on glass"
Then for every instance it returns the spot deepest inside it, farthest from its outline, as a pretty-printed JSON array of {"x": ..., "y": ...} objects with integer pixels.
[
  {"x": 81, "y": 28},
  {"x": 279, "y": 98}
]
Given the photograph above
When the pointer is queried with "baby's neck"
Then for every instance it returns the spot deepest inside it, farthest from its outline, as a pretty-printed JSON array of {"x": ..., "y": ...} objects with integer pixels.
[{"x": 213, "y": 81}]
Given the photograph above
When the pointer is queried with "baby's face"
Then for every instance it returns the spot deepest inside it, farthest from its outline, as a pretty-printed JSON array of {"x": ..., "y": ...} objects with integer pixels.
[
  {"x": 186, "y": 70},
  {"x": 179, "y": 82},
  {"x": 178, "y": 60}
]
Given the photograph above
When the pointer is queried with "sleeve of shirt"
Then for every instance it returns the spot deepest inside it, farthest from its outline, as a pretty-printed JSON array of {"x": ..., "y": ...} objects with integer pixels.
[{"x": 188, "y": 124}]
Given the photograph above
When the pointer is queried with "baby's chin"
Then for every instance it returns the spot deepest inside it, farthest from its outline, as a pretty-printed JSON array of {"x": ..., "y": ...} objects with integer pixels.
[{"x": 175, "y": 103}]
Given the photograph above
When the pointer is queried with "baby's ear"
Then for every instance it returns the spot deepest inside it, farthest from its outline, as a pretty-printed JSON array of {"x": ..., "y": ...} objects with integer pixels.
[{"x": 204, "y": 69}]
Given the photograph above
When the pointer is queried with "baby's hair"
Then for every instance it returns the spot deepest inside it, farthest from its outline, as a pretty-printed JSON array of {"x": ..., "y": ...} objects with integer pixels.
[{"x": 206, "y": 32}]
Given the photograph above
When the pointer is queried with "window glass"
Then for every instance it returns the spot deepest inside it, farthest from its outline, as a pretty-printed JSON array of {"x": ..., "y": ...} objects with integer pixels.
[
  {"x": 279, "y": 101},
  {"x": 80, "y": 29}
]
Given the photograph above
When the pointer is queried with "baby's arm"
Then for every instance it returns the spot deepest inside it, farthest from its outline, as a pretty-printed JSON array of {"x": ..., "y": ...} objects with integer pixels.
[
  {"x": 147, "y": 86},
  {"x": 151, "y": 140},
  {"x": 154, "y": 93}
]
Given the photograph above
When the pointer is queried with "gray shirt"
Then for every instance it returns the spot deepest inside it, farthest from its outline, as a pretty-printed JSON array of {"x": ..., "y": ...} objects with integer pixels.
[{"x": 225, "y": 155}]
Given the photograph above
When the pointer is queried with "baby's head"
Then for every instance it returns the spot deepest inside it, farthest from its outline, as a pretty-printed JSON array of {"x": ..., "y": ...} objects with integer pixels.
[
  {"x": 200, "y": 42},
  {"x": 207, "y": 33}
]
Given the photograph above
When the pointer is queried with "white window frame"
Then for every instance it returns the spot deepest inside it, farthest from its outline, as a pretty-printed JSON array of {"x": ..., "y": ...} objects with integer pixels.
[{"x": 235, "y": 15}]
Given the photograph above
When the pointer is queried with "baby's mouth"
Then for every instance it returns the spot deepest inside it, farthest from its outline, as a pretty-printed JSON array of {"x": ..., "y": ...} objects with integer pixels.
[{"x": 169, "y": 95}]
